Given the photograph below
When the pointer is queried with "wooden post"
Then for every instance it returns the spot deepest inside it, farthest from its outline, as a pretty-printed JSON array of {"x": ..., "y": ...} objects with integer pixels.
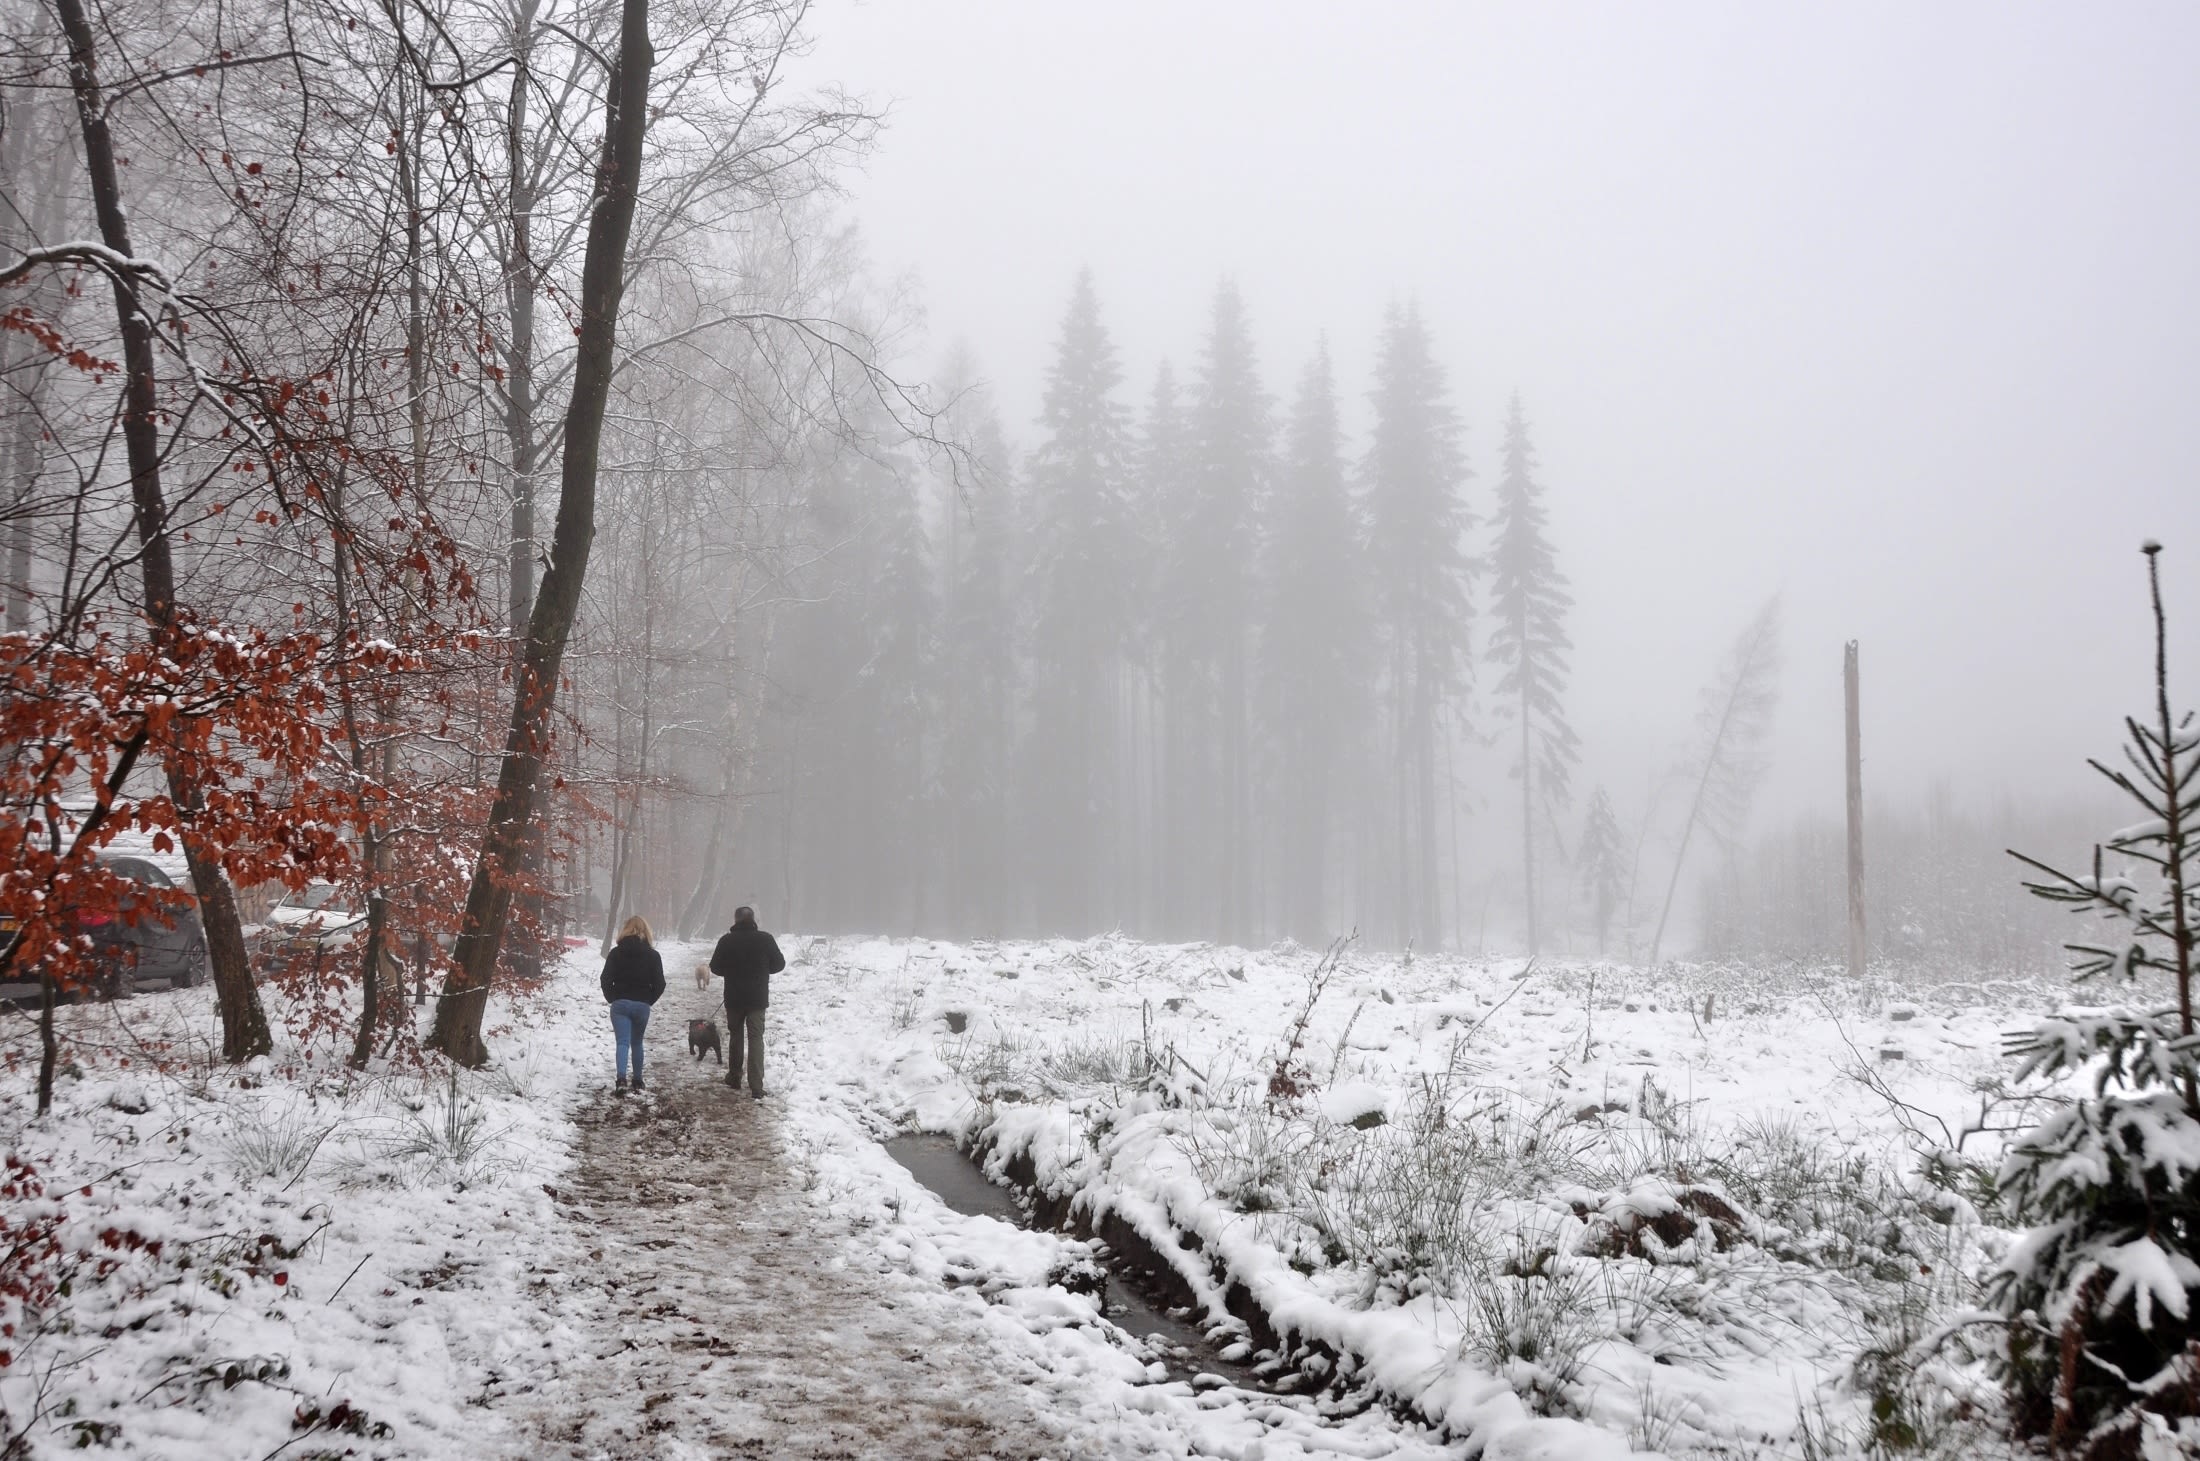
[{"x": 1856, "y": 816}]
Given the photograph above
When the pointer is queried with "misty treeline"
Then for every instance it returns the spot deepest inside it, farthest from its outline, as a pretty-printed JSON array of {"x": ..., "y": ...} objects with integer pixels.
[
  {"x": 1936, "y": 880},
  {"x": 1192, "y": 669},
  {"x": 1196, "y": 662}
]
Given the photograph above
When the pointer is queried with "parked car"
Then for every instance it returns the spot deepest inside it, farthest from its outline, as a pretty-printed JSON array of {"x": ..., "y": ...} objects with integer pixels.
[
  {"x": 317, "y": 919},
  {"x": 161, "y": 948}
]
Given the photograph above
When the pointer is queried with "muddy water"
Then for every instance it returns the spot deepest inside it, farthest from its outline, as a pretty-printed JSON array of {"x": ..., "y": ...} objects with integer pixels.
[{"x": 1168, "y": 1335}]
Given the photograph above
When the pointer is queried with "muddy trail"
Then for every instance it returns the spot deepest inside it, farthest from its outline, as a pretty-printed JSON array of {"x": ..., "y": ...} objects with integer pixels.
[{"x": 720, "y": 1319}]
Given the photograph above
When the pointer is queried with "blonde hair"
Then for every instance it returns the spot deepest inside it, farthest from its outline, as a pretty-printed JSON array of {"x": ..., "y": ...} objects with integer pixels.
[{"x": 637, "y": 927}]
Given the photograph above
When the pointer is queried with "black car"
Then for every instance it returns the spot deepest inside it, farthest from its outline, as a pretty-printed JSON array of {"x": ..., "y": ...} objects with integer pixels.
[{"x": 162, "y": 948}]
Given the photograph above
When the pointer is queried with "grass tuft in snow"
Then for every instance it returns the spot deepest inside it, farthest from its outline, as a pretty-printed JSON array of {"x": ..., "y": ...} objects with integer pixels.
[
  {"x": 278, "y": 1148},
  {"x": 1533, "y": 1317}
]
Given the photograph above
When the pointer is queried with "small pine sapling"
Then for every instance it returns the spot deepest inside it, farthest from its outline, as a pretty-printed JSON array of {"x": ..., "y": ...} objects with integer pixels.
[{"x": 2098, "y": 1294}]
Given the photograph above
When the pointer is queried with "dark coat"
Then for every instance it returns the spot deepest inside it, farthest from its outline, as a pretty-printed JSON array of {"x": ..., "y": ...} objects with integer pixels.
[
  {"x": 747, "y": 958},
  {"x": 633, "y": 970}
]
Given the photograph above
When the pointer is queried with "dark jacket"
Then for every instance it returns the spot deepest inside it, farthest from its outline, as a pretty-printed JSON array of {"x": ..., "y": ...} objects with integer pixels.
[
  {"x": 633, "y": 970},
  {"x": 747, "y": 958}
]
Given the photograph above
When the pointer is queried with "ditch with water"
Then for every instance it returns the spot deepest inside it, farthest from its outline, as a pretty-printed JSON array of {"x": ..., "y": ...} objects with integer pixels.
[{"x": 1167, "y": 1334}]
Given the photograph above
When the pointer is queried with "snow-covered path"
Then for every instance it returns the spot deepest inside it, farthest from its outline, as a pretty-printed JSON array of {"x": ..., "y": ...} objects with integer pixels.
[{"x": 706, "y": 1309}]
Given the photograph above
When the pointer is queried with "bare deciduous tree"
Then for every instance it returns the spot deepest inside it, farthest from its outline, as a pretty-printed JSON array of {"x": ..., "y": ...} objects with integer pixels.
[{"x": 1733, "y": 724}]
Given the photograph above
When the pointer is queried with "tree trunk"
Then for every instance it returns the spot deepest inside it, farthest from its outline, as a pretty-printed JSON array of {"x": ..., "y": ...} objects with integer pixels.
[
  {"x": 741, "y": 746},
  {"x": 519, "y": 362},
  {"x": 376, "y": 956},
  {"x": 244, "y": 1023},
  {"x": 465, "y": 996},
  {"x": 1404, "y": 872},
  {"x": 1432, "y": 911},
  {"x": 49, "y": 1048},
  {"x": 372, "y": 851},
  {"x": 1527, "y": 808},
  {"x": 22, "y": 485},
  {"x": 1237, "y": 832},
  {"x": 37, "y": 216},
  {"x": 1688, "y": 831},
  {"x": 2176, "y": 833},
  {"x": 521, "y": 288},
  {"x": 1849, "y": 681},
  {"x": 376, "y": 856},
  {"x": 1458, "y": 863}
]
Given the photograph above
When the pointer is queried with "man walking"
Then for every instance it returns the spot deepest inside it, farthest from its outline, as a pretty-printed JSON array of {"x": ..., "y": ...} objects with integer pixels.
[{"x": 746, "y": 958}]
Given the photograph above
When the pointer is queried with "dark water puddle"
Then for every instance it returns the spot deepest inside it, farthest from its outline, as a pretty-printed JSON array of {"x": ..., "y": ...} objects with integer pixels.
[{"x": 1184, "y": 1351}]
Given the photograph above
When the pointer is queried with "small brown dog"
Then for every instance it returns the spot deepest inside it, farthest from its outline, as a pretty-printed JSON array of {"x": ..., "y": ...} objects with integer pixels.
[
  {"x": 702, "y": 1036},
  {"x": 702, "y": 976}
]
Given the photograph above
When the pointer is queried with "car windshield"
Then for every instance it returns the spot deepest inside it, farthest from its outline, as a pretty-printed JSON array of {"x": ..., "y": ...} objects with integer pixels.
[
  {"x": 140, "y": 871},
  {"x": 314, "y": 897}
]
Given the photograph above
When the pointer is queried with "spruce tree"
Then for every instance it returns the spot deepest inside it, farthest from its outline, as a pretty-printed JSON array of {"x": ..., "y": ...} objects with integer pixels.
[
  {"x": 1602, "y": 863},
  {"x": 1083, "y": 550},
  {"x": 1205, "y": 603},
  {"x": 810, "y": 730},
  {"x": 1176, "y": 817},
  {"x": 2099, "y": 1296},
  {"x": 978, "y": 676},
  {"x": 1418, "y": 521},
  {"x": 897, "y": 702},
  {"x": 1315, "y": 647},
  {"x": 1528, "y": 606}
]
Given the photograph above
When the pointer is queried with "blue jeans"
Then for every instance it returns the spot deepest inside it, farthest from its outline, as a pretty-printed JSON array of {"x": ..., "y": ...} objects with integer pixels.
[{"x": 629, "y": 1017}]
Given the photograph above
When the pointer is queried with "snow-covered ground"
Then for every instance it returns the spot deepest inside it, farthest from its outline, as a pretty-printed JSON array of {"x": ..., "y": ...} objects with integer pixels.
[
  {"x": 300, "y": 1260},
  {"x": 1576, "y": 1214},
  {"x": 1565, "y": 1212}
]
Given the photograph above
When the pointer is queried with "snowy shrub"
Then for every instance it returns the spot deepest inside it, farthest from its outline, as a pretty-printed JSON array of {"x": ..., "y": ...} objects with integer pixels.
[
  {"x": 1089, "y": 1059},
  {"x": 1290, "y": 1079},
  {"x": 521, "y": 1074},
  {"x": 1660, "y": 1136},
  {"x": 446, "y": 1140},
  {"x": 277, "y": 1148},
  {"x": 1919, "y": 1383},
  {"x": 903, "y": 1006},
  {"x": 994, "y": 1064},
  {"x": 2098, "y": 1294},
  {"x": 31, "y": 1255},
  {"x": 1834, "y": 1206},
  {"x": 1533, "y": 1317},
  {"x": 1251, "y": 1157},
  {"x": 1402, "y": 1201}
]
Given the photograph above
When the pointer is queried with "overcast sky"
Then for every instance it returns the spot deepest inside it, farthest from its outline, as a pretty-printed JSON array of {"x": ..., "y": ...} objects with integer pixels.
[{"x": 1894, "y": 310}]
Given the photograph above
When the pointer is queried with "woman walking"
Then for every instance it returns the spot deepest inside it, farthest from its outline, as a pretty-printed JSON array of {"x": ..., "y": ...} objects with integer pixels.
[{"x": 633, "y": 980}]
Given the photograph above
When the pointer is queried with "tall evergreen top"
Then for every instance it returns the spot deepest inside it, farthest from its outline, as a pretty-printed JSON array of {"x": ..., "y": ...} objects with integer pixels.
[
  {"x": 1085, "y": 424},
  {"x": 1414, "y": 476},
  {"x": 1528, "y": 598},
  {"x": 1230, "y": 433}
]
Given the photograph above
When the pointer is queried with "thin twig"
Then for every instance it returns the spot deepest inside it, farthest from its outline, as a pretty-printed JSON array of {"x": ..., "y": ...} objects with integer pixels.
[{"x": 362, "y": 1263}]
